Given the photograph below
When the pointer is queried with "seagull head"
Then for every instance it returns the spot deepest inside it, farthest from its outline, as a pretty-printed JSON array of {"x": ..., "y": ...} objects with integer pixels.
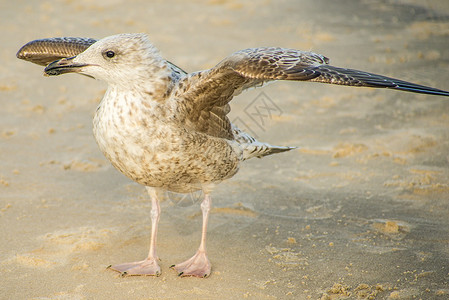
[{"x": 116, "y": 59}]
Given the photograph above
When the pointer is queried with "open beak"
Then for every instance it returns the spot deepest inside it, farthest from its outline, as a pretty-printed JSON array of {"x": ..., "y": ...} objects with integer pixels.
[{"x": 62, "y": 66}]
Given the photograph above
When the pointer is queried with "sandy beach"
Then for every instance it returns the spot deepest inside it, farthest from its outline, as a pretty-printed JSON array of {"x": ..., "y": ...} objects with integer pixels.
[{"x": 359, "y": 211}]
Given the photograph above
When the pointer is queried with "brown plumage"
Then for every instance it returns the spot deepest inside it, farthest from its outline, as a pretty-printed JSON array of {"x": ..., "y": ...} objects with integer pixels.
[
  {"x": 45, "y": 51},
  {"x": 169, "y": 130}
]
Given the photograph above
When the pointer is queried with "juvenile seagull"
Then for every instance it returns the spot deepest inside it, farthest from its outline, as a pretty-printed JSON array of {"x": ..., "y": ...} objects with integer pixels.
[{"x": 168, "y": 130}]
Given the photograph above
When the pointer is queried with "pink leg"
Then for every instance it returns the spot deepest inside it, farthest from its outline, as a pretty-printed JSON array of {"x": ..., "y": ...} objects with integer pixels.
[
  {"x": 199, "y": 265},
  {"x": 148, "y": 266}
]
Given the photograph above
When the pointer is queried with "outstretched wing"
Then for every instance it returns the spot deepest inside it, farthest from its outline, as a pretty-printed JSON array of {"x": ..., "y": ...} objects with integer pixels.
[
  {"x": 45, "y": 51},
  {"x": 205, "y": 95},
  {"x": 342, "y": 76}
]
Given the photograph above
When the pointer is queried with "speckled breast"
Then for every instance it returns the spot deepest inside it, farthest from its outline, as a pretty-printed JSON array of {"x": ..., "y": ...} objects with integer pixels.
[{"x": 157, "y": 153}]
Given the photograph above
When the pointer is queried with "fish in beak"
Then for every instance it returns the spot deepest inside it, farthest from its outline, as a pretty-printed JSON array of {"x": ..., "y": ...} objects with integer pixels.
[{"x": 62, "y": 66}]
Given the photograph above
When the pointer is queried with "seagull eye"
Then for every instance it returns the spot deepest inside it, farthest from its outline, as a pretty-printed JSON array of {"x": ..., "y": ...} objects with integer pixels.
[{"x": 109, "y": 54}]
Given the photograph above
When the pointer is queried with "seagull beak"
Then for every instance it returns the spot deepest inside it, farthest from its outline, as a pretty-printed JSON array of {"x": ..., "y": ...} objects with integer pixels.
[{"x": 62, "y": 66}]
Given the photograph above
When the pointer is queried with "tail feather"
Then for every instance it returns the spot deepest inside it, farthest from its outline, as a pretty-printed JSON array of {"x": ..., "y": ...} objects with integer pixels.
[
  {"x": 252, "y": 148},
  {"x": 260, "y": 150}
]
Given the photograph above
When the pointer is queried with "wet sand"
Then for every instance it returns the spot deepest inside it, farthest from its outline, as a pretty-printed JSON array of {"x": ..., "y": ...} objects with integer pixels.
[{"x": 360, "y": 210}]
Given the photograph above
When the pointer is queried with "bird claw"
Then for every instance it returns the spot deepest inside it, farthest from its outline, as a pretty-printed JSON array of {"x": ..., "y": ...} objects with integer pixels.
[
  {"x": 198, "y": 266},
  {"x": 147, "y": 267}
]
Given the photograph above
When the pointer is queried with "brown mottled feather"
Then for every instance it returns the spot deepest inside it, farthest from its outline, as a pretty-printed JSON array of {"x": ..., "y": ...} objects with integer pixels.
[
  {"x": 209, "y": 90},
  {"x": 168, "y": 130},
  {"x": 45, "y": 51},
  {"x": 252, "y": 67},
  {"x": 205, "y": 95}
]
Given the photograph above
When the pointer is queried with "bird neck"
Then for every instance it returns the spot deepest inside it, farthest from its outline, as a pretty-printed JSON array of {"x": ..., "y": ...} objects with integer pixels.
[{"x": 156, "y": 85}]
